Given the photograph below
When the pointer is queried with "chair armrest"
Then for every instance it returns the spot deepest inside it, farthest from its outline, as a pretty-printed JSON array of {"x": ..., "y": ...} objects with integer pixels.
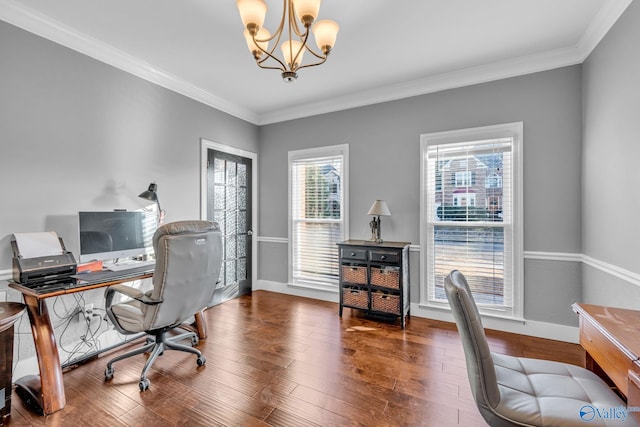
[{"x": 134, "y": 293}]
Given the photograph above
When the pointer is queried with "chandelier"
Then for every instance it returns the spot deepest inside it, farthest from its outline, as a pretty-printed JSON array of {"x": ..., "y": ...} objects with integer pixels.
[{"x": 298, "y": 17}]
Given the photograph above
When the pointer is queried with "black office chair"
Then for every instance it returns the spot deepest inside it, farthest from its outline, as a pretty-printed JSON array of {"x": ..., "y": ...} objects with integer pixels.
[
  {"x": 518, "y": 391},
  {"x": 188, "y": 260}
]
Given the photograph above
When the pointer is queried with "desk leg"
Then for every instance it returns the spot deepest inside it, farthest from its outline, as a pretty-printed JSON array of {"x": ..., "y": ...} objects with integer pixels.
[
  {"x": 633, "y": 399},
  {"x": 198, "y": 327},
  {"x": 589, "y": 363},
  {"x": 201, "y": 324},
  {"x": 48, "y": 389}
]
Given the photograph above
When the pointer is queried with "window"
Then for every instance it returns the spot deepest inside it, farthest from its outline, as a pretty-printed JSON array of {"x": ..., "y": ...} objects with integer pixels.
[
  {"x": 463, "y": 179},
  {"x": 317, "y": 214},
  {"x": 464, "y": 199},
  {"x": 494, "y": 181},
  {"x": 471, "y": 219}
]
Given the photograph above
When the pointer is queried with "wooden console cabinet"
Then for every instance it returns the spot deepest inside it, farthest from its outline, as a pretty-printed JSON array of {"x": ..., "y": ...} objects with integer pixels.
[{"x": 374, "y": 278}]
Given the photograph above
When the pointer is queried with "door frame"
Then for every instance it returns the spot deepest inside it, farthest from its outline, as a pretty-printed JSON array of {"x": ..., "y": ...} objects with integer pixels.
[{"x": 206, "y": 145}]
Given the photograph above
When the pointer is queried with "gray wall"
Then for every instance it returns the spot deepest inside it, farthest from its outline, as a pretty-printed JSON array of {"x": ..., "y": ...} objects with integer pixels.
[
  {"x": 77, "y": 134},
  {"x": 385, "y": 164},
  {"x": 611, "y": 206}
]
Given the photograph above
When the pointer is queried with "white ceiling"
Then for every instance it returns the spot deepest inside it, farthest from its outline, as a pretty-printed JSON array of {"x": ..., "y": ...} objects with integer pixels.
[{"x": 385, "y": 49}]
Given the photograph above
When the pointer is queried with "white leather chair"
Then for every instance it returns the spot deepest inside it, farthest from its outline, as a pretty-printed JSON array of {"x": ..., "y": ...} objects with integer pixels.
[
  {"x": 188, "y": 260},
  {"x": 518, "y": 391}
]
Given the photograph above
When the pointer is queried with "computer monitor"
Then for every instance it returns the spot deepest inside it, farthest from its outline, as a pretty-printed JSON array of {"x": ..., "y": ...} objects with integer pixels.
[{"x": 115, "y": 234}]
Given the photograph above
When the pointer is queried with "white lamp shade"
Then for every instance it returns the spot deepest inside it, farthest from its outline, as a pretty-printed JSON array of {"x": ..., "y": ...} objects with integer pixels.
[
  {"x": 252, "y": 12},
  {"x": 263, "y": 34},
  {"x": 290, "y": 49},
  {"x": 325, "y": 33},
  {"x": 379, "y": 207},
  {"x": 306, "y": 7}
]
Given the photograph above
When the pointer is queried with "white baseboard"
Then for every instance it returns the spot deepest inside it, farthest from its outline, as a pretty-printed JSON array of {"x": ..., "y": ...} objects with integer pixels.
[
  {"x": 299, "y": 291},
  {"x": 532, "y": 328}
]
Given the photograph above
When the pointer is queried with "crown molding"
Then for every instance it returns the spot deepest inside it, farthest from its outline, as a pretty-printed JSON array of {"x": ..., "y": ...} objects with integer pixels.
[
  {"x": 600, "y": 25},
  {"x": 43, "y": 26},
  {"x": 455, "y": 79},
  {"x": 16, "y": 14}
]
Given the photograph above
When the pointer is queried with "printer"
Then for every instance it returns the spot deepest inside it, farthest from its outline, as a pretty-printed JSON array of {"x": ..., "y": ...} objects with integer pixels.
[{"x": 41, "y": 259}]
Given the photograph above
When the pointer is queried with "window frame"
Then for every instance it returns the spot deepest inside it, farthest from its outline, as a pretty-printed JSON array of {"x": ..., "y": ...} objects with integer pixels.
[
  {"x": 307, "y": 154},
  {"x": 510, "y": 130}
]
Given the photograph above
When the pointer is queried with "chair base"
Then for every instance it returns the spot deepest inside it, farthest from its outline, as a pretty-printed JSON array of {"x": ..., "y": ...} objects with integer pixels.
[{"x": 155, "y": 347}]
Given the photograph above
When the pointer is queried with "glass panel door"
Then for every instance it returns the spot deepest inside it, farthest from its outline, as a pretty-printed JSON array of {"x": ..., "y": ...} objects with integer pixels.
[{"x": 229, "y": 204}]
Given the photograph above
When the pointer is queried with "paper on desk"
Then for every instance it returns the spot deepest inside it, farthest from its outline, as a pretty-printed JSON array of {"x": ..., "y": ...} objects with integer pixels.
[{"x": 33, "y": 245}]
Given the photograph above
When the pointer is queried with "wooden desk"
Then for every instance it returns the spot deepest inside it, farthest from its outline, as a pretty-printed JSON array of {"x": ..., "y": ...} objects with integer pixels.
[
  {"x": 611, "y": 338},
  {"x": 9, "y": 314},
  {"x": 47, "y": 389}
]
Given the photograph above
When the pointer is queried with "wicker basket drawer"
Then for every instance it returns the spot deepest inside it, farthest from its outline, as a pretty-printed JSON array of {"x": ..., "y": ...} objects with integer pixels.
[
  {"x": 354, "y": 297},
  {"x": 385, "y": 302},
  {"x": 354, "y": 274},
  {"x": 386, "y": 277}
]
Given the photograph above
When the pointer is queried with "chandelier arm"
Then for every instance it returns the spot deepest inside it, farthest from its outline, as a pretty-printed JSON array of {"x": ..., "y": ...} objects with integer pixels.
[
  {"x": 278, "y": 32},
  {"x": 289, "y": 12},
  {"x": 302, "y": 47},
  {"x": 269, "y": 54},
  {"x": 317, "y": 55},
  {"x": 282, "y": 66},
  {"x": 292, "y": 19},
  {"x": 314, "y": 64},
  {"x": 269, "y": 67}
]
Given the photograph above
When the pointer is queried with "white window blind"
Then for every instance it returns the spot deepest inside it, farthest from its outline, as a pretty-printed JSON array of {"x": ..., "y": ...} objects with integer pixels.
[
  {"x": 317, "y": 217},
  {"x": 470, "y": 220}
]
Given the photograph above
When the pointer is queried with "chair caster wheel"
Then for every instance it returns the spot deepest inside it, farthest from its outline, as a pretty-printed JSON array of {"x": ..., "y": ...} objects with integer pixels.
[
  {"x": 144, "y": 384},
  {"x": 108, "y": 374},
  {"x": 201, "y": 360}
]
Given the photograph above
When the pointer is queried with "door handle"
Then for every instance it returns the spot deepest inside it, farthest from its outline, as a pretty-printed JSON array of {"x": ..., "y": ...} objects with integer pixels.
[{"x": 249, "y": 232}]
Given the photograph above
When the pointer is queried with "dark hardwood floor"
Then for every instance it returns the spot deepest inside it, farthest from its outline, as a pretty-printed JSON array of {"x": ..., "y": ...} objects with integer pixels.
[{"x": 278, "y": 360}]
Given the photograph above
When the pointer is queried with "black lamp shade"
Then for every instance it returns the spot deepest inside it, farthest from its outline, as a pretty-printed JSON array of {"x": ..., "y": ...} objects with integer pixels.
[{"x": 150, "y": 194}]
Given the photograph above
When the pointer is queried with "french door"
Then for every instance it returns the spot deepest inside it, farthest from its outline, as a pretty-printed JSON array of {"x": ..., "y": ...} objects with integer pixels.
[{"x": 229, "y": 198}]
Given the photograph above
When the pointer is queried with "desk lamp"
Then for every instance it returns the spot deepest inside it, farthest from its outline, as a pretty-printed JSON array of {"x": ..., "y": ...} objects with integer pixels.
[
  {"x": 152, "y": 194},
  {"x": 378, "y": 208}
]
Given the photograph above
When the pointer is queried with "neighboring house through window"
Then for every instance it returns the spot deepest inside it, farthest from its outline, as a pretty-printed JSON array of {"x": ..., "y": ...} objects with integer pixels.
[
  {"x": 317, "y": 214},
  {"x": 471, "y": 216}
]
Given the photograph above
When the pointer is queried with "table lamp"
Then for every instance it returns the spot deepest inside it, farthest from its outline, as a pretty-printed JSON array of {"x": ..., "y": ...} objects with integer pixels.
[
  {"x": 379, "y": 208},
  {"x": 152, "y": 194}
]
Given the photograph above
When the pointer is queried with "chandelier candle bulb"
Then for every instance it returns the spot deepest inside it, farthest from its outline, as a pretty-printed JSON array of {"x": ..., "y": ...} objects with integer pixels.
[
  {"x": 252, "y": 13},
  {"x": 260, "y": 44},
  {"x": 325, "y": 33},
  {"x": 307, "y": 10},
  {"x": 293, "y": 51}
]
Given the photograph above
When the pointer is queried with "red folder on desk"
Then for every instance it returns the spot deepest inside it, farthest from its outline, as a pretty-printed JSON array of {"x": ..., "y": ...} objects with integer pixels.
[{"x": 90, "y": 266}]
